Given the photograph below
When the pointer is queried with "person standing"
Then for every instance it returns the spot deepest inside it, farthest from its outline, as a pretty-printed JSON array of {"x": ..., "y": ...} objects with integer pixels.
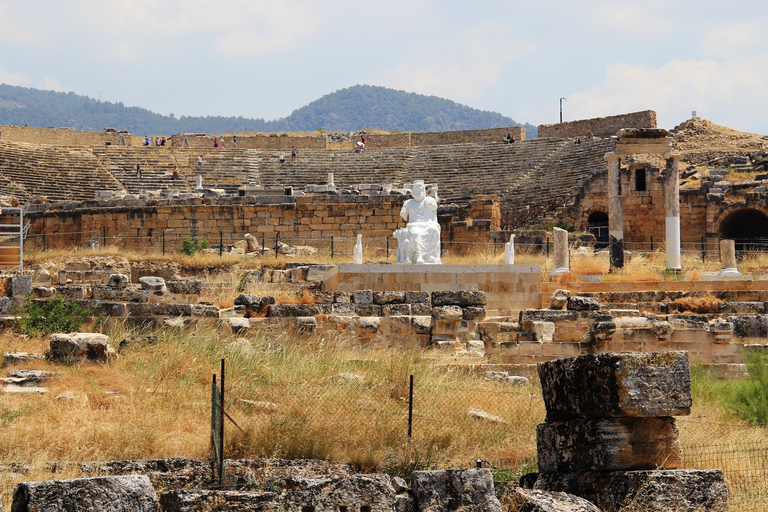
[
  {"x": 234, "y": 142},
  {"x": 293, "y": 153},
  {"x": 138, "y": 170},
  {"x": 282, "y": 158},
  {"x": 200, "y": 161}
]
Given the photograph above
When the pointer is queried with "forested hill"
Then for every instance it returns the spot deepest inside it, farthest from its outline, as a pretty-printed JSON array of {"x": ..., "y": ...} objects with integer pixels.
[{"x": 351, "y": 109}]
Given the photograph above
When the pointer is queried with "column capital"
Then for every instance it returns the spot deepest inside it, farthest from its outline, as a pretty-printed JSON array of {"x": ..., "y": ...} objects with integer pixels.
[
  {"x": 610, "y": 157},
  {"x": 672, "y": 156}
]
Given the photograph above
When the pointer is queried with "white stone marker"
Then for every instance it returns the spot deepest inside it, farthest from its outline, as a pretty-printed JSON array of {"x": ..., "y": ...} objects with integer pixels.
[
  {"x": 199, "y": 181},
  {"x": 359, "y": 250},
  {"x": 509, "y": 251}
]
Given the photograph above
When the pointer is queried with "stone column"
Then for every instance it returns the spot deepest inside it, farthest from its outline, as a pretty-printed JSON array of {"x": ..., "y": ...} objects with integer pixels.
[
  {"x": 615, "y": 214},
  {"x": 330, "y": 179},
  {"x": 509, "y": 251},
  {"x": 358, "y": 253},
  {"x": 561, "y": 252},
  {"x": 672, "y": 200},
  {"x": 728, "y": 258},
  {"x": 199, "y": 181}
]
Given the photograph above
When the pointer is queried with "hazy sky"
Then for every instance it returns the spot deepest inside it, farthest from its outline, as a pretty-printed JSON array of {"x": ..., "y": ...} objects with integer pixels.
[{"x": 267, "y": 58}]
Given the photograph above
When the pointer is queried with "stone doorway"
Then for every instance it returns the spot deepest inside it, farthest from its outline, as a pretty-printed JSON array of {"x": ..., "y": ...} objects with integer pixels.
[
  {"x": 748, "y": 228},
  {"x": 597, "y": 224}
]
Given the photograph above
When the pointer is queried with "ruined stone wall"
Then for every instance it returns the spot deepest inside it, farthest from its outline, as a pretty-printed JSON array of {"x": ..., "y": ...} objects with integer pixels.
[
  {"x": 297, "y": 220},
  {"x": 275, "y": 142},
  {"x": 466, "y": 136},
  {"x": 60, "y": 136},
  {"x": 600, "y": 126}
]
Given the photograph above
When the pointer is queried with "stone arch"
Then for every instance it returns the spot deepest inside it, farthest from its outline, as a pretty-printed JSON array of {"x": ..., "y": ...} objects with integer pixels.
[
  {"x": 597, "y": 224},
  {"x": 748, "y": 227}
]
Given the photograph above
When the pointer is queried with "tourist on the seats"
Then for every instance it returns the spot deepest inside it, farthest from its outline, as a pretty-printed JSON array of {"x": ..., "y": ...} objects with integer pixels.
[
  {"x": 175, "y": 175},
  {"x": 146, "y": 140},
  {"x": 282, "y": 158},
  {"x": 221, "y": 143},
  {"x": 293, "y": 153},
  {"x": 200, "y": 161},
  {"x": 138, "y": 170},
  {"x": 234, "y": 142},
  {"x": 423, "y": 228},
  {"x": 162, "y": 142},
  {"x": 359, "y": 147},
  {"x": 215, "y": 142}
]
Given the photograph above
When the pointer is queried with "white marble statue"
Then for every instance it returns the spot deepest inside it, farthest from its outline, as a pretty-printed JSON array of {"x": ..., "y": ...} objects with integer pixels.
[
  {"x": 402, "y": 245},
  {"x": 509, "y": 251},
  {"x": 359, "y": 250},
  {"x": 423, "y": 230}
]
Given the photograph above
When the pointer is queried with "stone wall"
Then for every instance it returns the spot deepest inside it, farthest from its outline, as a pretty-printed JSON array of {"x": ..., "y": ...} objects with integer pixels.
[
  {"x": 60, "y": 136},
  {"x": 277, "y": 142},
  {"x": 302, "y": 220},
  {"x": 600, "y": 126}
]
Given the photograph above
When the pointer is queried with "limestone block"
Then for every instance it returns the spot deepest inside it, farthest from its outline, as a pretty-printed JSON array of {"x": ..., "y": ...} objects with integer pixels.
[
  {"x": 399, "y": 325},
  {"x": 342, "y": 297},
  {"x": 369, "y": 324},
  {"x": 421, "y": 309},
  {"x": 21, "y": 285},
  {"x": 237, "y": 325},
  {"x": 115, "y": 294},
  {"x": 205, "y": 310},
  {"x": 396, "y": 309},
  {"x": 459, "y": 490},
  {"x": 185, "y": 286},
  {"x": 657, "y": 490},
  {"x": 617, "y": 384},
  {"x": 579, "y": 303},
  {"x": 152, "y": 283},
  {"x": 81, "y": 346},
  {"x": 10, "y": 358},
  {"x": 603, "y": 331},
  {"x": 74, "y": 292},
  {"x": 476, "y": 348},
  {"x": 422, "y": 324},
  {"x": 559, "y": 299},
  {"x": 362, "y": 297},
  {"x": 117, "y": 280},
  {"x": 204, "y": 500},
  {"x": 517, "y": 499},
  {"x": 663, "y": 330},
  {"x": 461, "y": 298},
  {"x": 323, "y": 297},
  {"x": 132, "y": 493},
  {"x": 43, "y": 292},
  {"x": 473, "y": 313},
  {"x": 306, "y": 324},
  {"x": 412, "y": 297},
  {"x": 367, "y": 309},
  {"x": 295, "y": 309},
  {"x": 548, "y": 315},
  {"x": 608, "y": 445},
  {"x": 447, "y": 313},
  {"x": 343, "y": 309},
  {"x": 394, "y": 297},
  {"x": 248, "y": 300},
  {"x": 542, "y": 331},
  {"x": 41, "y": 277}
]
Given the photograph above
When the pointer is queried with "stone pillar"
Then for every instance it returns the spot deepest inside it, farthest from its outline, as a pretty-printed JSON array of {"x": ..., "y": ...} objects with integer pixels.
[
  {"x": 672, "y": 200},
  {"x": 615, "y": 214},
  {"x": 358, "y": 256},
  {"x": 330, "y": 179},
  {"x": 199, "y": 181},
  {"x": 509, "y": 251},
  {"x": 561, "y": 252},
  {"x": 728, "y": 258}
]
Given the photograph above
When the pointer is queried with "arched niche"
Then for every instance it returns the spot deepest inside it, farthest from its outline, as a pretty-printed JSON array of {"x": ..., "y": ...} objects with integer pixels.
[
  {"x": 748, "y": 227},
  {"x": 597, "y": 224}
]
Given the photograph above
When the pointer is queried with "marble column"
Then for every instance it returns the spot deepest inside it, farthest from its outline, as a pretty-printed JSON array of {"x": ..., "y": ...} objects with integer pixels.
[
  {"x": 509, "y": 251},
  {"x": 358, "y": 253},
  {"x": 615, "y": 214},
  {"x": 728, "y": 258},
  {"x": 199, "y": 181},
  {"x": 672, "y": 200},
  {"x": 561, "y": 252}
]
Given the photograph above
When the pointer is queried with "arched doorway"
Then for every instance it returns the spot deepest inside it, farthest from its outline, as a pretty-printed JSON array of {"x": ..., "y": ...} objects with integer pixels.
[
  {"x": 597, "y": 224},
  {"x": 748, "y": 228}
]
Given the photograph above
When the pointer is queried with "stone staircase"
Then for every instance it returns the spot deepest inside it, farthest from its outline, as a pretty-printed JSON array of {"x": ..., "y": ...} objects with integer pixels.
[
  {"x": 31, "y": 171},
  {"x": 156, "y": 168},
  {"x": 227, "y": 169}
]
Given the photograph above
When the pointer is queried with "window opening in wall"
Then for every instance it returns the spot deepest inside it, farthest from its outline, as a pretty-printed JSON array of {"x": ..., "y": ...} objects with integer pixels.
[{"x": 640, "y": 185}]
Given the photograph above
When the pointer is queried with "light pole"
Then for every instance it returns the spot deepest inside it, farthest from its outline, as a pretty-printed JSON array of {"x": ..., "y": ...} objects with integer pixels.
[{"x": 561, "y": 109}]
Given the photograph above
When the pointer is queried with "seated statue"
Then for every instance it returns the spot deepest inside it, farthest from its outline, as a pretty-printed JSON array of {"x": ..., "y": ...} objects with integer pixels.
[{"x": 423, "y": 230}]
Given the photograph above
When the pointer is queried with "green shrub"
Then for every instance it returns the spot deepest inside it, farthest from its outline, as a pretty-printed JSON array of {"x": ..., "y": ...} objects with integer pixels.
[
  {"x": 748, "y": 399},
  {"x": 55, "y": 315},
  {"x": 191, "y": 245}
]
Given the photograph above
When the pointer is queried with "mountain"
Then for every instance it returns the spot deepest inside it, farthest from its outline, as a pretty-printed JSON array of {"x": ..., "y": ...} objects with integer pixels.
[{"x": 350, "y": 109}]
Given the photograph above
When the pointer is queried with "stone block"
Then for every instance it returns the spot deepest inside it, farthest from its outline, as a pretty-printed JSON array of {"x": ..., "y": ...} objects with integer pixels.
[
  {"x": 559, "y": 299},
  {"x": 421, "y": 309},
  {"x": 237, "y": 325},
  {"x": 580, "y": 303},
  {"x": 369, "y": 324},
  {"x": 412, "y": 297},
  {"x": 518, "y": 499},
  {"x": 608, "y": 445},
  {"x": 295, "y": 309},
  {"x": 447, "y": 313},
  {"x": 394, "y": 297},
  {"x": 248, "y": 300},
  {"x": 367, "y": 309},
  {"x": 21, "y": 285},
  {"x": 458, "y": 490},
  {"x": 185, "y": 286},
  {"x": 323, "y": 297},
  {"x": 362, "y": 297},
  {"x": 133, "y": 493},
  {"x": 342, "y": 298},
  {"x": 205, "y": 500},
  {"x": 343, "y": 309},
  {"x": 658, "y": 490},
  {"x": 117, "y": 280},
  {"x": 396, "y": 309},
  {"x": 617, "y": 384},
  {"x": 473, "y": 313},
  {"x": 422, "y": 324},
  {"x": 152, "y": 283},
  {"x": 116, "y": 294},
  {"x": 461, "y": 298},
  {"x": 80, "y": 346},
  {"x": 548, "y": 315}
]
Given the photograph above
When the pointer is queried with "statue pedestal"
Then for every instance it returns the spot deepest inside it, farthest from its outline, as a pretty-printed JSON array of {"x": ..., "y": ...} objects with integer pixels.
[{"x": 507, "y": 287}]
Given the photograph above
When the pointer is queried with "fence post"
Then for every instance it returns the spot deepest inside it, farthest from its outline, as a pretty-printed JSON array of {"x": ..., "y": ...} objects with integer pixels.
[
  {"x": 703, "y": 248},
  {"x": 331, "y": 246},
  {"x": 410, "y": 409},
  {"x": 45, "y": 242},
  {"x": 276, "y": 240},
  {"x": 651, "y": 244},
  {"x": 263, "y": 243},
  {"x": 163, "y": 242},
  {"x": 387, "y": 248},
  {"x": 221, "y": 426},
  {"x": 221, "y": 242}
]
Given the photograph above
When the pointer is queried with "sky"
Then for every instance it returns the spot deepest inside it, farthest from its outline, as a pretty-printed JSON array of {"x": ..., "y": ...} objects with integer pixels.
[{"x": 264, "y": 59}]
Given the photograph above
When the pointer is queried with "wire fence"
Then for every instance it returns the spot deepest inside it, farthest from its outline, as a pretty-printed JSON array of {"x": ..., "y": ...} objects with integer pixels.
[{"x": 341, "y": 248}]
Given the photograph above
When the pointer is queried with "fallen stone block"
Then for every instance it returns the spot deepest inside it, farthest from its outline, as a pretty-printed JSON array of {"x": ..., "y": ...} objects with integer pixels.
[
  {"x": 609, "y": 385},
  {"x": 10, "y": 358},
  {"x": 117, "y": 281},
  {"x": 608, "y": 445},
  {"x": 81, "y": 346},
  {"x": 580, "y": 303},
  {"x": 372, "y": 492},
  {"x": 517, "y": 499},
  {"x": 205, "y": 500},
  {"x": 185, "y": 286},
  {"x": 132, "y": 493},
  {"x": 152, "y": 283},
  {"x": 459, "y": 490},
  {"x": 660, "y": 490},
  {"x": 461, "y": 298}
]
